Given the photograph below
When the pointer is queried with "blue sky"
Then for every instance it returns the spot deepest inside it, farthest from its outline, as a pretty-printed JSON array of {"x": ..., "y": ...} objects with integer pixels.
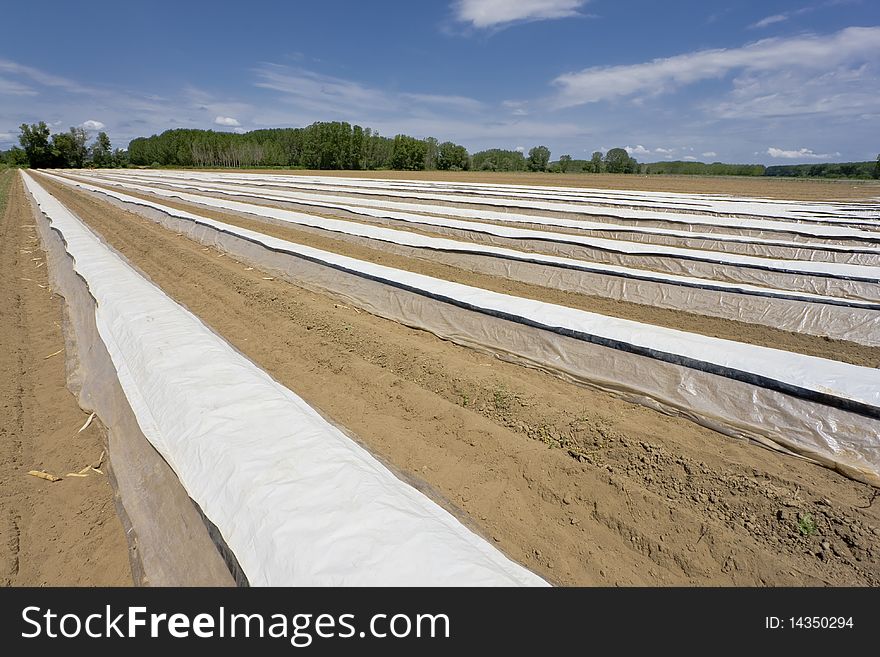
[{"x": 771, "y": 81}]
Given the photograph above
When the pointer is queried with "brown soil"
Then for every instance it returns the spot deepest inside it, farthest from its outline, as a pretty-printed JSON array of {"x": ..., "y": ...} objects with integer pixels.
[
  {"x": 767, "y": 336},
  {"x": 578, "y": 485},
  {"x": 67, "y": 532},
  {"x": 782, "y": 188}
]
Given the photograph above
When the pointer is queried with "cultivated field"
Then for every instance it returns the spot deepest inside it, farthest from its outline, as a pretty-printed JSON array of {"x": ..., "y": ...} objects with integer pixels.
[
  {"x": 472, "y": 378},
  {"x": 781, "y": 188}
]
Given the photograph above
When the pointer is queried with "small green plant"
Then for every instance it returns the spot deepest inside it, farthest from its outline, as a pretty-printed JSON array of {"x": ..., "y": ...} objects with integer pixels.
[
  {"x": 806, "y": 525},
  {"x": 502, "y": 399},
  {"x": 5, "y": 183}
]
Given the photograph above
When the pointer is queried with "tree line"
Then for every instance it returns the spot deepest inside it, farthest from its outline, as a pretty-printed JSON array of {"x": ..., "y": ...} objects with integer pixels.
[
  {"x": 41, "y": 149},
  {"x": 341, "y": 145},
  {"x": 322, "y": 145},
  {"x": 863, "y": 170}
]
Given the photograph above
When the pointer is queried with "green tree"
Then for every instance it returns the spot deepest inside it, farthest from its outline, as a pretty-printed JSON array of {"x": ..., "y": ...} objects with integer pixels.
[
  {"x": 119, "y": 159},
  {"x": 62, "y": 150},
  {"x": 876, "y": 173},
  {"x": 539, "y": 158},
  {"x": 452, "y": 157},
  {"x": 432, "y": 148},
  {"x": 358, "y": 144},
  {"x": 34, "y": 139},
  {"x": 496, "y": 159},
  {"x": 617, "y": 160},
  {"x": 69, "y": 148},
  {"x": 564, "y": 163},
  {"x": 408, "y": 153},
  {"x": 15, "y": 157},
  {"x": 596, "y": 162},
  {"x": 100, "y": 152}
]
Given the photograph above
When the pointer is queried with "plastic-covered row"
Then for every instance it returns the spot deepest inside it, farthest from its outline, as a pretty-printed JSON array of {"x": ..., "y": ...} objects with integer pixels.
[{"x": 296, "y": 500}]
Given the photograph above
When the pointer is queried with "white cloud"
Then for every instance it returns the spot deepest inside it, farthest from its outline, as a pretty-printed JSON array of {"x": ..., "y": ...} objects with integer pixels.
[
  {"x": 804, "y": 53},
  {"x": 710, "y": 154},
  {"x": 799, "y": 154},
  {"x": 689, "y": 158},
  {"x": 664, "y": 151},
  {"x": 226, "y": 121},
  {"x": 520, "y": 149},
  {"x": 769, "y": 20},
  {"x": 91, "y": 124},
  {"x": 7, "y": 137},
  {"x": 638, "y": 149},
  {"x": 492, "y": 13}
]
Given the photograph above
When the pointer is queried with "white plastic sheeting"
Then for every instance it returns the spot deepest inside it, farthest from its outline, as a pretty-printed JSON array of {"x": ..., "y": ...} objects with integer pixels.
[
  {"x": 169, "y": 542},
  {"x": 804, "y": 220},
  {"x": 825, "y": 409},
  {"x": 867, "y": 253},
  {"x": 834, "y": 279},
  {"x": 706, "y": 203},
  {"x": 297, "y": 501},
  {"x": 692, "y": 203},
  {"x": 815, "y": 314},
  {"x": 709, "y": 224}
]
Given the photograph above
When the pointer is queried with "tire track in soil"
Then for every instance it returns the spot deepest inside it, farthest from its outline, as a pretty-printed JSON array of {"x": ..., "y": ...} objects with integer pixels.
[{"x": 581, "y": 487}]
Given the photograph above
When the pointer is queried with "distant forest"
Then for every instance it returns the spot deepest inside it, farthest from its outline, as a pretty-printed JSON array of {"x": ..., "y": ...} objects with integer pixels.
[{"x": 340, "y": 145}]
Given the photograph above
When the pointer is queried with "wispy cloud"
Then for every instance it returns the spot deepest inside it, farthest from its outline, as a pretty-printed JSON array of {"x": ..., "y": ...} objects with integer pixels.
[
  {"x": 461, "y": 103},
  {"x": 125, "y": 113},
  {"x": 326, "y": 97},
  {"x": 638, "y": 149},
  {"x": 42, "y": 78},
  {"x": 799, "y": 154},
  {"x": 709, "y": 154},
  {"x": 308, "y": 96},
  {"x": 842, "y": 91},
  {"x": 317, "y": 92},
  {"x": 515, "y": 107},
  {"x": 294, "y": 97},
  {"x": 483, "y": 14},
  {"x": 806, "y": 53},
  {"x": 15, "y": 88},
  {"x": 808, "y": 9},
  {"x": 770, "y": 20}
]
